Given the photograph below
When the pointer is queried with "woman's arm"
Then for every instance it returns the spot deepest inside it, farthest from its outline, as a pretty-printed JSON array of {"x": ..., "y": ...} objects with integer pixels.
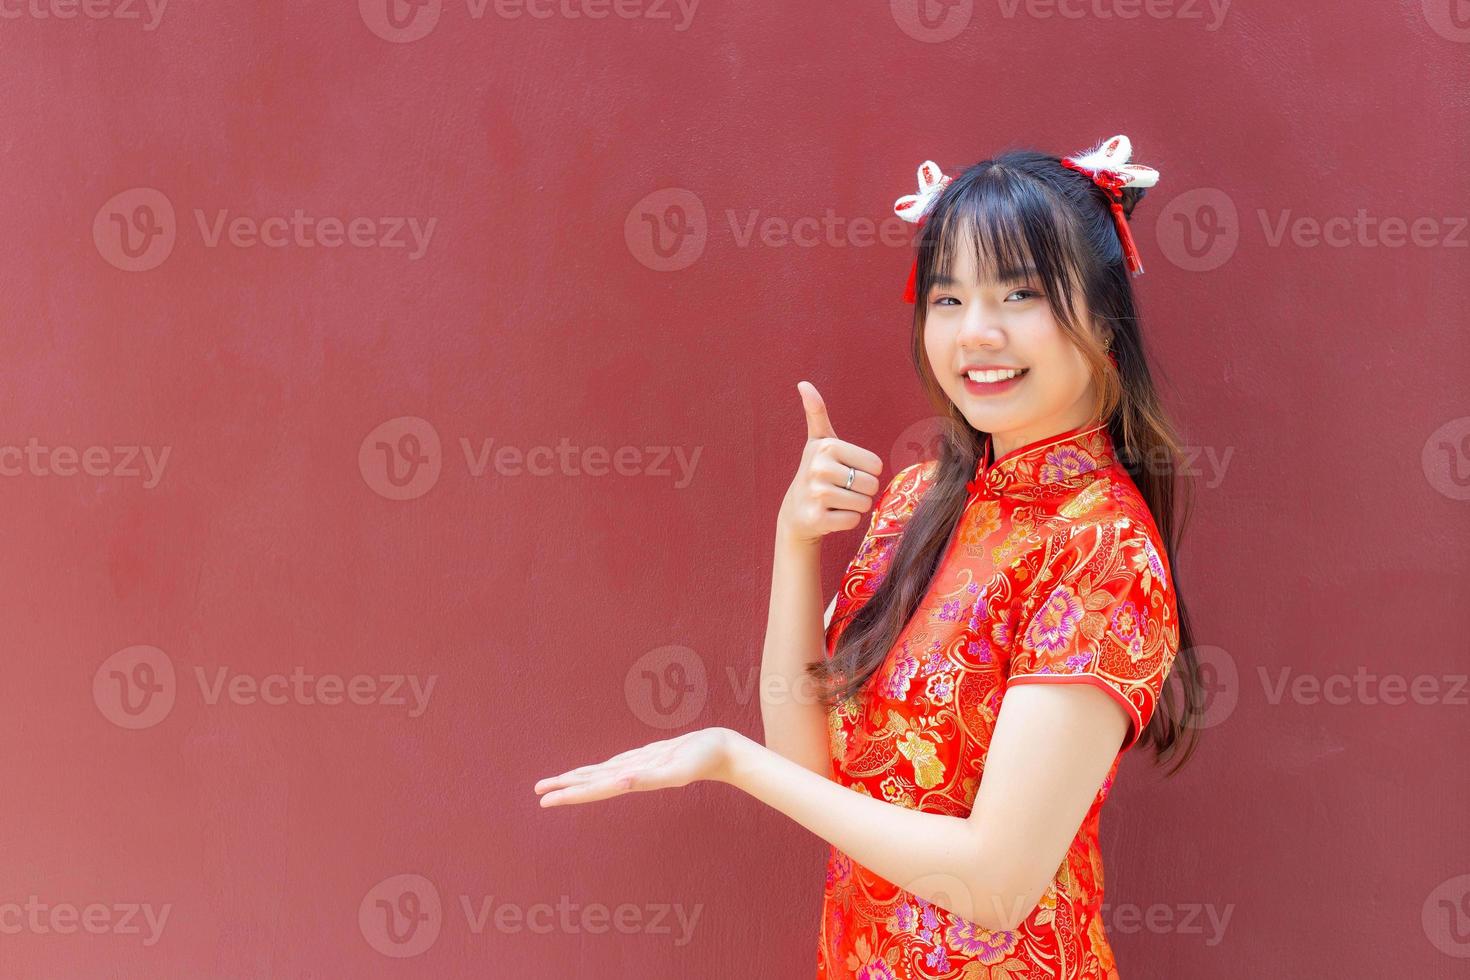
[
  {"x": 818, "y": 502},
  {"x": 794, "y": 720},
  {"x": 1051, "y": 749}
]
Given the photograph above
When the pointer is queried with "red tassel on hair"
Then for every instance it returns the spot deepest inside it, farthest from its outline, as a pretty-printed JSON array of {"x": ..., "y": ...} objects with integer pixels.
[
  {"x": 910, "y": 291},
  {"x": 1112, "y": 184},
  {"x": 1125, "y": 235}
]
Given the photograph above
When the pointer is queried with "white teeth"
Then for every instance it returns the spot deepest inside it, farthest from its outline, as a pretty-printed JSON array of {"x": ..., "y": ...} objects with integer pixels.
[{"x": 991, "y": 377}]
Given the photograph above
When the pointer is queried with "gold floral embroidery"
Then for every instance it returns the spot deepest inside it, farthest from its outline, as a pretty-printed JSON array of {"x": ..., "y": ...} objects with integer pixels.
[
  {"x": 922, "y": 753},
  {"x": 1058, "y": 569},
  {"x": 1086, "y": 500}
]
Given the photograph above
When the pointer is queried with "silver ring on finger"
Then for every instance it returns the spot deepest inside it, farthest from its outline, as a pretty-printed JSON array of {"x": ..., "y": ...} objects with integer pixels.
[{"x": 850, "y": 474}]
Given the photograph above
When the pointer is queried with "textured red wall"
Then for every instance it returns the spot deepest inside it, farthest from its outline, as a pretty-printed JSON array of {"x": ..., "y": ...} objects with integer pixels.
[{"x": 200, "y": 391}]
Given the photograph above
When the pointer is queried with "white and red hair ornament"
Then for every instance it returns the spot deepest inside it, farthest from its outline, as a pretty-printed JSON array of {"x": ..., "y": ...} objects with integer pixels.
[
  {"x": 1105, "y": 164},
  {"x": 912, "y": 207}
]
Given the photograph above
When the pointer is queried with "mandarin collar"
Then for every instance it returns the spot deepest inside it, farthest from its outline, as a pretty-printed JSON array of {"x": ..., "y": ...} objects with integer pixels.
[{"x": 1052, "y": 459}]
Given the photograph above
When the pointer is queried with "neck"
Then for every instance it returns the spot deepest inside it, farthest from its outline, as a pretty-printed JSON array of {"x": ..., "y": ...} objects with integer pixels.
[{"x": 1009, "y": 441}]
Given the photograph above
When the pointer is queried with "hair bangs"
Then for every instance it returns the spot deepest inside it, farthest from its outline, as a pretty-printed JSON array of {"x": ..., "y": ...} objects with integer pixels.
[{"x": 1015, "y": 232}]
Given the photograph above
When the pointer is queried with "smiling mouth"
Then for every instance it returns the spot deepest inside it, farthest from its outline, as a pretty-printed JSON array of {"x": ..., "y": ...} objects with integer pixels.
[{"x": 995, "y": 377}]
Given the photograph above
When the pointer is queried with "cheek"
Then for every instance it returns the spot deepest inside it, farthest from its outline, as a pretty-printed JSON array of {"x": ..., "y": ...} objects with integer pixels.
[
  {"x": 940, "y": 352},
  {"x": 1067, "y": 374}
]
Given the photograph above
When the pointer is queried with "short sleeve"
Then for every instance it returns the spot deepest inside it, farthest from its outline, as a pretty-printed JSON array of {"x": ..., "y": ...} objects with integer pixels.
[{"x": 1102, "y": 612}]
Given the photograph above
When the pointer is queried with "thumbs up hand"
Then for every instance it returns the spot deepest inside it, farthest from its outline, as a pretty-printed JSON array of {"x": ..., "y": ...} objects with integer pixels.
[{"x": 836, "y": 483}]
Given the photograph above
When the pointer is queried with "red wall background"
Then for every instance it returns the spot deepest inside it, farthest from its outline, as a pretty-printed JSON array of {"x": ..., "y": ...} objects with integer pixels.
[{"x": 1305, "y": 300}]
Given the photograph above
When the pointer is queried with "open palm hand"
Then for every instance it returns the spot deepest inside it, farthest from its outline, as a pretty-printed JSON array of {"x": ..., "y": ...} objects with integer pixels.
[{"x": 702, "y": 754}]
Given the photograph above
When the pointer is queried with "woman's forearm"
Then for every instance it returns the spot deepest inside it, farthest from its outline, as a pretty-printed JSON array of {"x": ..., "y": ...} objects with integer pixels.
[
  {"x": 938, "y": 857},
  {"x": 794, "y": 720}
]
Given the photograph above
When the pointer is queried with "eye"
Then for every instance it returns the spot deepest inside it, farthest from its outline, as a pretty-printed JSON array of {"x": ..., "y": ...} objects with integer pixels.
[
  {"x": 939, "y": 300},
  {"x": 1027, "y": 292}
]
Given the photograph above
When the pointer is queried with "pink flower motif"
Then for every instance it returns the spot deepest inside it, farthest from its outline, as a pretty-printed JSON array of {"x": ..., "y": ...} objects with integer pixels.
[
  {"x": 839, "y": 870},
  {"x": 1125, "y": 620},
  {"x": 1064, "y": 462},
  {"x": 905, "y": 667},
  {"x": 877, "y": 970},
  {"x": 988, "y": 947},
  {"x": 1055, "y": 622},
  {"x": 935, "y": 661}
]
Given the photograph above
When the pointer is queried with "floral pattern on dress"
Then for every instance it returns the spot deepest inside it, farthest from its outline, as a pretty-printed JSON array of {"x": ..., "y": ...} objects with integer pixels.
[{"x": 1055, "y": 574}]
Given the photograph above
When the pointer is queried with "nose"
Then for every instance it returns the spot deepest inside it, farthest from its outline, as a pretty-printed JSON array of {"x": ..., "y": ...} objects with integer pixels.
[{"x": 982, "y": 327}]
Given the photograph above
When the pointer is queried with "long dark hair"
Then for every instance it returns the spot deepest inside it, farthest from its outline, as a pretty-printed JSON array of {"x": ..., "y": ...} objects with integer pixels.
[{"x": 1023, "y": 207}]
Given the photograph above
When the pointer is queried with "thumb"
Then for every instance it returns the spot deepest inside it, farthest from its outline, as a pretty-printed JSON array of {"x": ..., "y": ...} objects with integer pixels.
[{"x": 818, "y": 425}]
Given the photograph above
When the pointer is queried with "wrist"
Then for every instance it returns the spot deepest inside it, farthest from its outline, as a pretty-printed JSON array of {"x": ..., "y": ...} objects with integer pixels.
[
  {"x": 786, "y": 538},
  {"x": 736, "y": 757}
]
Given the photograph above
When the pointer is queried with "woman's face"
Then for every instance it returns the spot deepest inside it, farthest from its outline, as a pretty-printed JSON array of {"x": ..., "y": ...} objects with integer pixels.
[{"x": 993, "y": 325}]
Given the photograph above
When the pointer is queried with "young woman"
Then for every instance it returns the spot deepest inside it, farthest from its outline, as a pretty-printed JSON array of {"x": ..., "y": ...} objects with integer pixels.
[{"x": 1003, "y": 633}]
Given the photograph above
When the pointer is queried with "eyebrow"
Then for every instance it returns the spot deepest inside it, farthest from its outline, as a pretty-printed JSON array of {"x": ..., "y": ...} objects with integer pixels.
[{"x": 1007, "y": 276}]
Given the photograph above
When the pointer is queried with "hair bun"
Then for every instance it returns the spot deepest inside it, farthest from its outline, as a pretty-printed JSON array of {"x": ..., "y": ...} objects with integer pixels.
[{"x": 1131, "y": 197}]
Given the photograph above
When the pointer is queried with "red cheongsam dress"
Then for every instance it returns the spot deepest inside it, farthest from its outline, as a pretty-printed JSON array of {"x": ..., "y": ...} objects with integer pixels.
[{"x": 1055, "y": 574}]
